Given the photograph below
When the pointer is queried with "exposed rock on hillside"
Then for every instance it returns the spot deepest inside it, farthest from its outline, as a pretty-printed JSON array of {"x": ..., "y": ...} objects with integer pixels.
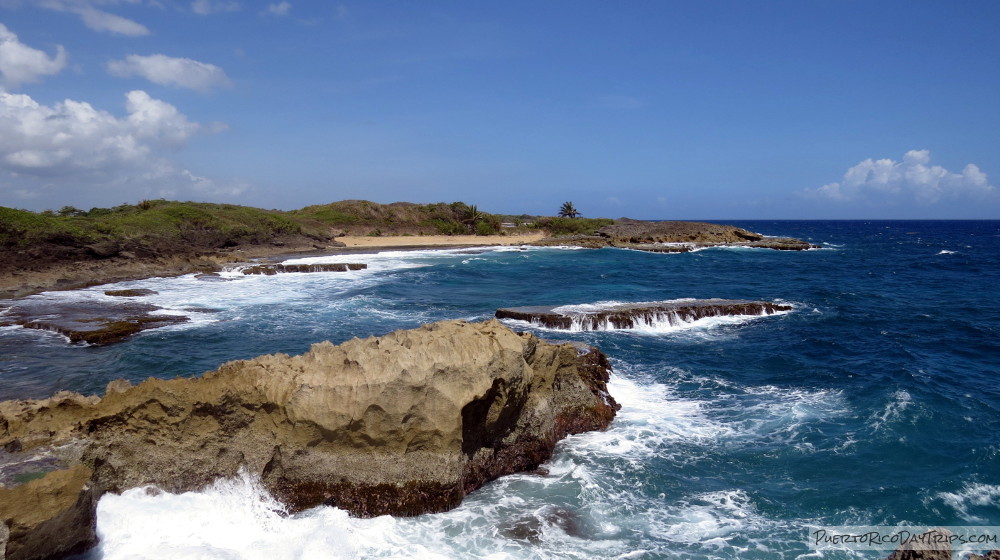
[
  {"x": 406, "y": 423},
  {"x": 637, "y": 315}
]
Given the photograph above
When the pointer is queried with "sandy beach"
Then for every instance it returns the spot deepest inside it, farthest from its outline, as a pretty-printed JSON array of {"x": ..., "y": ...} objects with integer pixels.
[{"x": 437, "y": 240}]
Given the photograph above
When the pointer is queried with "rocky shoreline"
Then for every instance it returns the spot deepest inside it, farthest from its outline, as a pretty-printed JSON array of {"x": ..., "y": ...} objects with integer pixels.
[
  {"x": 69, "y": 275},
  {"x": 676, "y": 237},
  {"x": 403, "y": 424},
  {"x": 94, "y": 267},
  {"x": 123, "y": 313}
]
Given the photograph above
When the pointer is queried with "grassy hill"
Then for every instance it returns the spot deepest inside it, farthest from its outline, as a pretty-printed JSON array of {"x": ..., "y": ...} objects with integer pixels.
[{"x": 149, "y": 229}]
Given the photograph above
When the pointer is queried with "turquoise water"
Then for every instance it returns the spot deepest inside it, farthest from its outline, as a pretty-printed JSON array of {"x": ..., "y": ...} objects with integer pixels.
[{"x": 875, "y": 402}]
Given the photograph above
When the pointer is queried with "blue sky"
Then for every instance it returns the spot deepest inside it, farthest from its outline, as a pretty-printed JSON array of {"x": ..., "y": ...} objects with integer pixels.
[{"x": 647, "y": 109}]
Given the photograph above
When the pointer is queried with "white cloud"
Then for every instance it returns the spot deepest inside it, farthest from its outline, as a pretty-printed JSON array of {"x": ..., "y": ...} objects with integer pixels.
[
  {"x": 104, "y": 21},
  {"x": 97, "y": 19},
  {"x": 206, "y": 7},
  {"x": 909, "y": 180},
  {"x": 20, "y": 63},
  {"x": 72, "y": 151},
  {"x": 279, "y": 9},
  {"x": 72, "y": 136},
  {"x": 170, "y": 71}
]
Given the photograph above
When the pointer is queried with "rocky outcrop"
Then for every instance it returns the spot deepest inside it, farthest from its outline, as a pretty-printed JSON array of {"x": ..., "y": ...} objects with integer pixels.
[
  {"x": 637, "y": 315},
  {"x": 51, "y": 517},
  {"x": 406, "y": 423},
  {"x": 90, "y": 322},
  {"x": 634, "y": 231},
  {"x": 272, "y": 269},
  {"x": 134, "y": 292},
  {"x": 675, "y": 237}
]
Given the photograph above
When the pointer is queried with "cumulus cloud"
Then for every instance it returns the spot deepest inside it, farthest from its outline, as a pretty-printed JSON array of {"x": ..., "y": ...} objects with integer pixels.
[
  {"x": 72, "y": 136},
  {"x": 20, "y": 63},
  {"x": 170, "y": 71},
  {"x": 73, "y": 149},
  {"x": 909, "y": 180},
  {"x": 96, "y": 18},
  {"x": 206, "y": 7},
  {"x": 279, "y": 9}
]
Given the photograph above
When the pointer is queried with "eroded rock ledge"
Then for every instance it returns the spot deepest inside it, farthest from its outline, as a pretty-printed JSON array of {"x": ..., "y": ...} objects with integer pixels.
[
  {"x": 638, "y": 315},
  {"x": 87, "y": 321},
  {"x": 406, "y": 423}
]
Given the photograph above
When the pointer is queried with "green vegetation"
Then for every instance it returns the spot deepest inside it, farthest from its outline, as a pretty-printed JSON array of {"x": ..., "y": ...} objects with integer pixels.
[
  {"x": 150, "y": 221},
  {"x": 22, "y": 228},
  {"x": 401, "y": 218},
  {"x": 573, "y": 226},
  {"x": 154, "y": 228}
]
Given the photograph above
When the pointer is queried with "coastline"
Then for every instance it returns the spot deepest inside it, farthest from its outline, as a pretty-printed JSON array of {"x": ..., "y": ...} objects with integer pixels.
[
  {"x": 81, "y": 274},
  {"x": 750, "y": 404}
]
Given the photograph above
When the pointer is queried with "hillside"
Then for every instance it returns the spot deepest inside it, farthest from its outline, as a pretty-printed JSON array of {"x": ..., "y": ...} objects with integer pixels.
[
  {"x": 160, "y": 237},
  {"x": 160, "y": 228}
]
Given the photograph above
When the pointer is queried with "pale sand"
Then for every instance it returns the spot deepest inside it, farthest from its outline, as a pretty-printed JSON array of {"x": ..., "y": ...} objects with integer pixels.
[{"x": 438, "y": 240}]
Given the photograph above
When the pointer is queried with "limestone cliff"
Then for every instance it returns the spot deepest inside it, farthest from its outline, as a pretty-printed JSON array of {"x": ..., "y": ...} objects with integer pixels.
[{"x": 406, "y": 423}]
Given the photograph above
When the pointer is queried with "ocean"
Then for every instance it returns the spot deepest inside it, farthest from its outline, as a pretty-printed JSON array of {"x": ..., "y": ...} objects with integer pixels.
[{"x": 876, "y": 401}]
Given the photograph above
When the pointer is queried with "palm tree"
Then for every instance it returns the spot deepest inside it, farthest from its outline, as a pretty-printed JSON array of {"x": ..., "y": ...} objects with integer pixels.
[
  {"x": 567, "y": 210},
  {"x": 472, "y": 217}
]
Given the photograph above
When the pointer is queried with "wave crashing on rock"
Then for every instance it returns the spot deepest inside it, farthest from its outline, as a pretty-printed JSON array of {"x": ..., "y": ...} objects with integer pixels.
[
  {"x": 404, "y": 424},
  {"x": 643, "y": 315}
]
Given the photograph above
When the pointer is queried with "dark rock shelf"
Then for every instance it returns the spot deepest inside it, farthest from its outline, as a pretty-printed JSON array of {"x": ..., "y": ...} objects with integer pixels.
[
  {"x": 637, "y": 315},
  {"x": 271, "y": 269},
  {"x": 88, "y": 322}
]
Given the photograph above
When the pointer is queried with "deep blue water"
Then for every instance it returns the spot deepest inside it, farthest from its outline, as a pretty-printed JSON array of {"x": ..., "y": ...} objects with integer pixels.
[{"x": 875, "y": 402}]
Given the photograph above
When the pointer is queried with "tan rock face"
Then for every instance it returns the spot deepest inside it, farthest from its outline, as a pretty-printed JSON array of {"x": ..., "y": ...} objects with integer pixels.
[
  {"x": 48, "y": 517},
  {"x": 406, "y": 423}
]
